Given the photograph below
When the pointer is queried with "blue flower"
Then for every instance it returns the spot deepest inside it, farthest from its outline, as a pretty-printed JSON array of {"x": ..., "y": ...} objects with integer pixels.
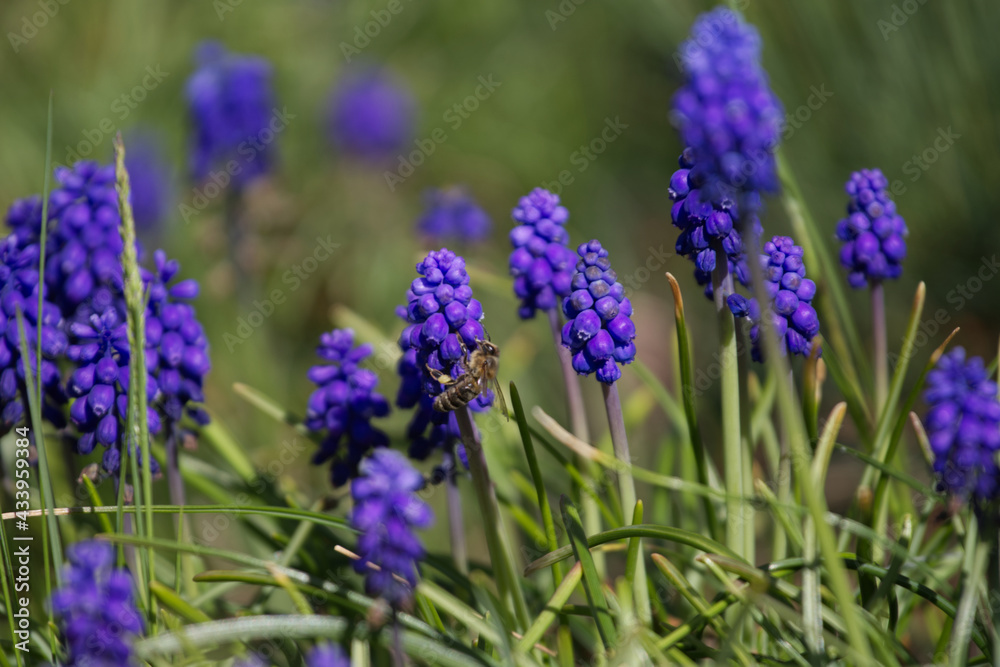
[
  {"x": 792, "y": 315},
  {"x": 344, "y": 404},
  {"x": 963, "y": 427},
  {"x": 726, "y": 111},
  {"x": 599, "y": 329},
  {"x": 542, "y": 262},
  {"x": 176, "y": 346},
  {"x": 452, "y": 213},
  {"x": 100, "y": 352},
  {"x": 149, "y": 179},
  {"x": 872, "y": 232},
  {"x": 703, "y": 222},
  {"x": 429, "y": 429},
  {"x": 231, "y": 106},
  {"x": 327, "y": 655},
  {"x": 386, "y": 511},
  {"x": 19, "y": 286},
  {"x": 96, "y": 608},
  {"x": 370, "y": 115}
]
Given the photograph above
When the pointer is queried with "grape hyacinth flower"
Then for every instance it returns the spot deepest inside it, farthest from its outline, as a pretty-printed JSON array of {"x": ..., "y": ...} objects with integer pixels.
[
  {"x": 452, "y": 213},
  {"x": 344, "y": 404},
  {"x": 232, "y": 112},
  {"x": 541, "y": 263},
  {"x": 599, "y": 329},
  {"x": 386, "y": 511},
  {"x": 176, "y": 346},
  {"x": 84, "y": 244},
  {"x": 370, "y": 115},
  {"x": 327, "y": 655},
  {"x": 872, "y": 233},
  {"x": 96, "y": 608},
  {"x": 725, "y": 111},
  {"x": 792, "y": 315},
  {"x": 429, "y": 430},
  {"x": 19, "y": 287},
  {"x": 100, "y": 350},
  {"x": 706, "y": 225},
  {"x": 963, "y": 427},
  {"x": 150, "y": 180}
]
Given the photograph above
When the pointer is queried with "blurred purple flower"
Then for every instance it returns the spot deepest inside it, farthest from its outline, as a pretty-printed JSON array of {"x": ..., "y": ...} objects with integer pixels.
[
  {"x": 452, "y": 213},
  {"x": 370, "y": 115},
  {"x": 150, "y": 179}
]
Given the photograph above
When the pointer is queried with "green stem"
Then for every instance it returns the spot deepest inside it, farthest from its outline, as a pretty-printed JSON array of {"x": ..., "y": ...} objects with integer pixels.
[
  {"x": 508, "y": 582},
  {"x": 976, "y": 558},
  {"x": 880, "y": 347}
]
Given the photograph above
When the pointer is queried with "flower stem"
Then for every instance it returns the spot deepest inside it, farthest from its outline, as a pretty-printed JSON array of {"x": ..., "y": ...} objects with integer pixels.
[
  {"x": 456, "y": 525},
  {"x": 578, "y": 421},
  {"x": 501, "y": 557},
  {"x": 880, "y": 347},
  {"x": 626, "y": 487}
]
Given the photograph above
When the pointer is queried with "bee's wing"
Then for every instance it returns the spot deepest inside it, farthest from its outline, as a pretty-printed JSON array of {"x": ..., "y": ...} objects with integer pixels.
[{"x": 499, "y": 397}]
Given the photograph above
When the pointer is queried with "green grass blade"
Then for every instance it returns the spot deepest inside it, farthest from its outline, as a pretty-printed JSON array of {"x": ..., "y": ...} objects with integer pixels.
[
  {"x": 550, "y": 612},
  {"x": 591, "y": 581},
  {"x": 175, "y": 603}
]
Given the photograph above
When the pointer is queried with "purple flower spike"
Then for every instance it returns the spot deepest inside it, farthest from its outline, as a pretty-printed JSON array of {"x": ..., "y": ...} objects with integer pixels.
[
  {"x": 96, "y": 608},
  {"x": 963, "y": 426},
  {"x": 344, "y": 404},
  {"x": 370, "y": 116},
  {"x": 233, "y": 114},
  {"x": 150, "y": 179},
  {"x": 702, "y": 222},
  {"x": 726, "y": 111},
  {"x": 542, "y": 263},
  {"x": 791, "y": 311},
  {"x": 599, "y": 336},
  {"x": 452, "y": 213},
  {"x": 872, "y": 233},
  {"x": 386, "y": 511}
]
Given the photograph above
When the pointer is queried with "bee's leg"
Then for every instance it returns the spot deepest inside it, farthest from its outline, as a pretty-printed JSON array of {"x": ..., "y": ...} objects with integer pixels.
[{"x": 438, "y": 376}]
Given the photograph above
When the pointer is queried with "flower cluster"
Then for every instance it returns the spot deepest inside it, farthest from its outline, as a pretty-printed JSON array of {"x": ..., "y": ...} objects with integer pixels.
[
  {"x": 453, "y": 213},
  {"x": 726, "y": 111},
  {"x": 429, "y": 430},
  {"x": 599, "y": 329},
  {"x": 792, "y": 315},
  {"x": 541, "y": 263},
  {"x": 386, "y": 511},
  {"x": 370, "y": 115},
  {"x": 100, "y": 383},
  {"x": 872, "y": 232},
  {"x": 231, "y": 105},
  {"x": 706, "y": 225},
  {"x": 176, "y": 346},
  {"x": 84, "y": 244},
  {"x": 344, "y": 404},
  {"x": 444, "y": 319},
  {"x": 963, "y": 426},
  {"x": 19, "y": 287},
  {"x": 96, "y": 608}
]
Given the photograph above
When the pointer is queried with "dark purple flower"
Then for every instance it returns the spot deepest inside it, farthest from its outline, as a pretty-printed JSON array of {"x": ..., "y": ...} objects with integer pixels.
[
  {"x": 327, "y": 655},
  {"x": 599, "y": 329},
  {"x": 792, "y": 315},
  {"x": 542, "y": 262},
  {"x": 452, "y": 213},
  {"x": 703, "y": 222},
  {"x": 149, "y": 179},
  {"x": 386, "y": 511},
  {"x": 370, "y": 115},
  {"x": 19, "y": 286},
  {"x": 232, "y": 112},
  {"x": 429, "y": 429},
  {"x": 176, "y": 347},
  {"x": 96, "y": 608},
  {"x": 726, "y": 111},
  {"x": 100, "y": 383},
  {"x": 344, "y": 404},
  {"x": 872, "y": 233},
  {"x": 963, "y": 426}
]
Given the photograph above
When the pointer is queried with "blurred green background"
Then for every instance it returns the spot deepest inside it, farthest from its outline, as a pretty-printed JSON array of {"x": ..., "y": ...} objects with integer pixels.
[{"x": 895, "y": 76}]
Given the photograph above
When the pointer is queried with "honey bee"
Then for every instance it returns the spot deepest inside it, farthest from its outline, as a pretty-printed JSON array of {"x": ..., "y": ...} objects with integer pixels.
[{"x": 480, "y": 374}]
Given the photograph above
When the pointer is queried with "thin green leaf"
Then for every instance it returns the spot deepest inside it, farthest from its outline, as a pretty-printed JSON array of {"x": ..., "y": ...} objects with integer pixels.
[{"x": 591, "y": 581}]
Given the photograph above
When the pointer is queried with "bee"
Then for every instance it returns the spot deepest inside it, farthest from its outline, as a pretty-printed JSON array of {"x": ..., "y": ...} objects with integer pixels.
[{"x": 480, "y": 374}]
